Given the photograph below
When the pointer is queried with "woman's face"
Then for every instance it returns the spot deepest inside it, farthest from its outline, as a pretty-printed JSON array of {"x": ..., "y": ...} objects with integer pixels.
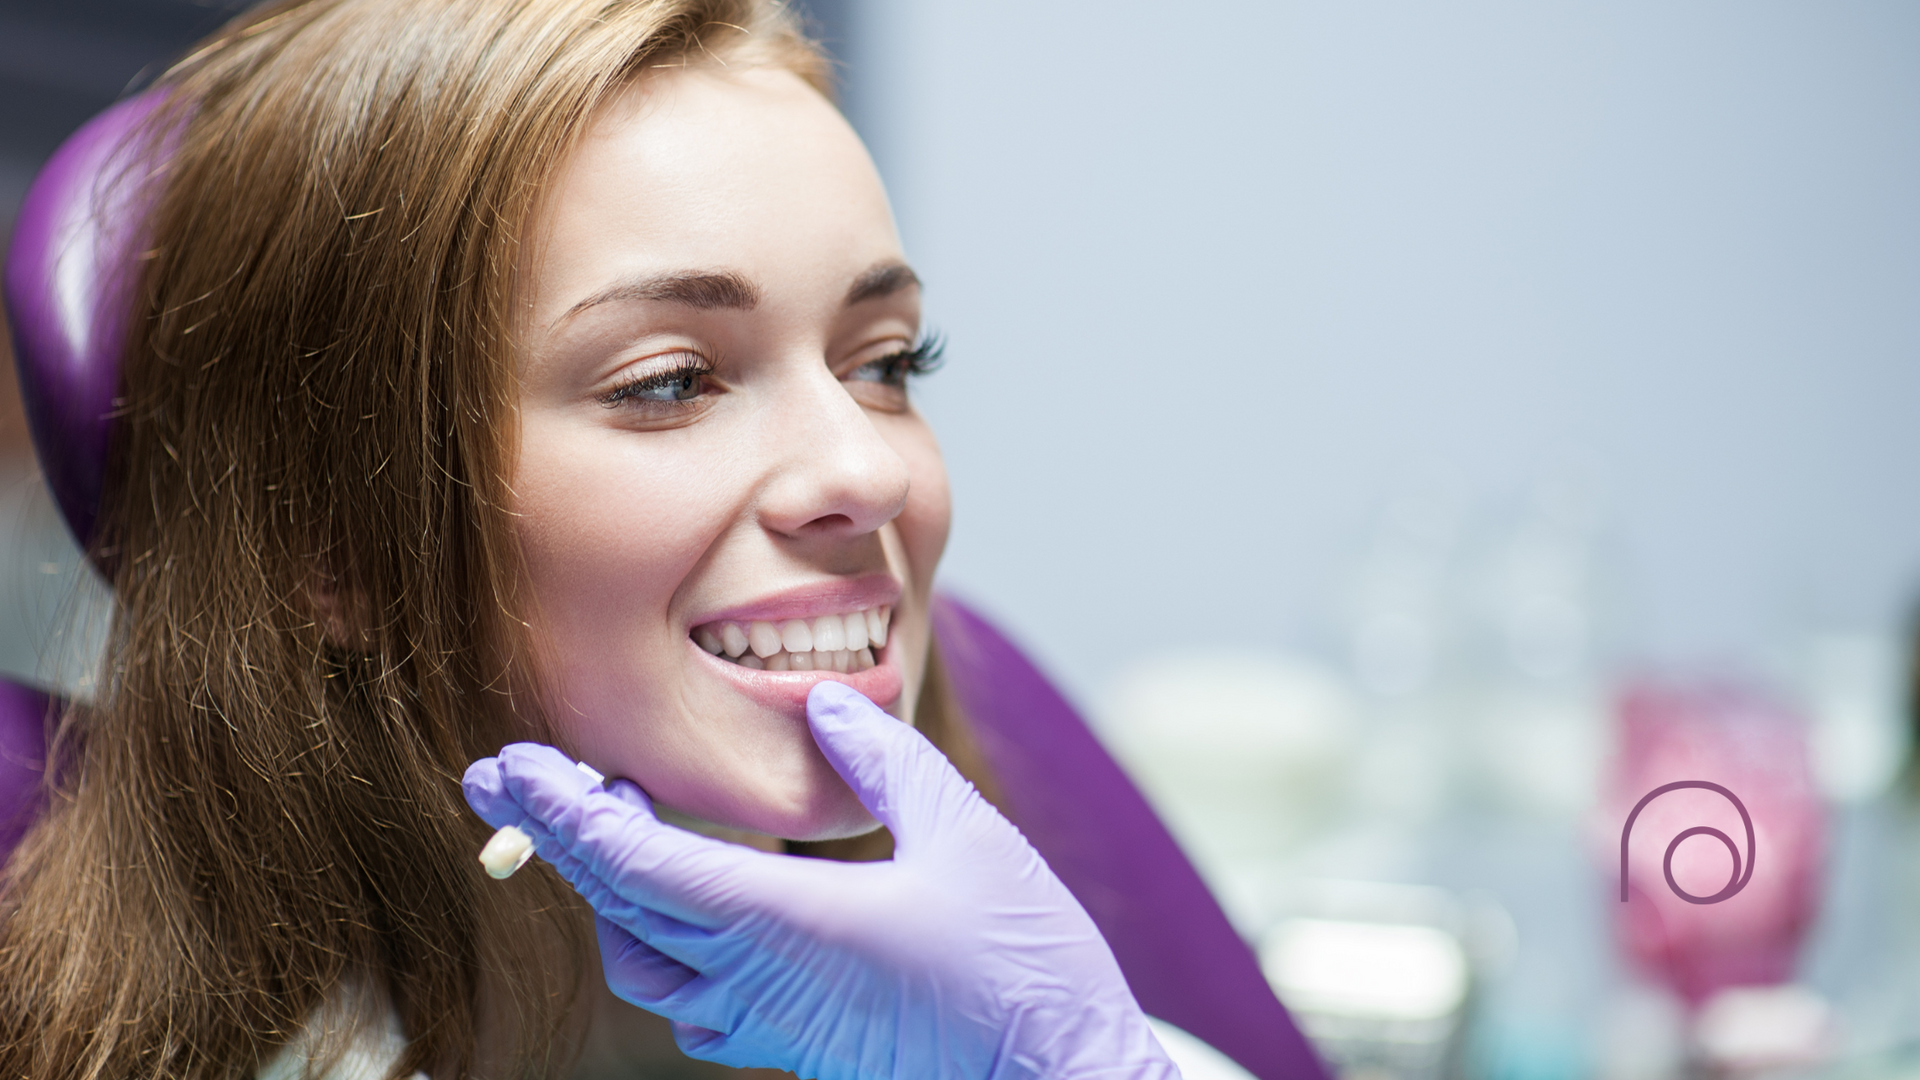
[{"x": 721, "y": 486}]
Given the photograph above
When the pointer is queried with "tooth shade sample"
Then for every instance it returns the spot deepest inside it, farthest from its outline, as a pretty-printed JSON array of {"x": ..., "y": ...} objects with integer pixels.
[
  {"x": 763, "y": 639},
  {"x": 778, "y": 661},
  {"x": 508, "y": 850},
  {"x": 863, "y": 660},
  {"x": 733, "y": 639},
  {"x": 753, "y": 662},
  {"x": 800, "y": 661},
  {"x": 707, "y": 639},
  {"x": 842, "y": 661},
  {"x": 829, "y": 634},
  {"x": 856, "y": 630},
  {"x": 796, "y": 636}
]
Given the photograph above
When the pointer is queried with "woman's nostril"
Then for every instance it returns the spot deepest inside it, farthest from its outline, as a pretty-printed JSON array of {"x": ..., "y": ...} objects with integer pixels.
[{"x": 827, "y": 523}]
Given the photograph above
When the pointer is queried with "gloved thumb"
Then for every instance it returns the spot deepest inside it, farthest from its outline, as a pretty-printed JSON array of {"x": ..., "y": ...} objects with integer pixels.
[{"x": 902, "y": 779}]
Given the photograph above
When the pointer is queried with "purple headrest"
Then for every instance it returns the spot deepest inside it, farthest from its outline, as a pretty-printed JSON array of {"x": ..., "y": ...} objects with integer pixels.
[{"x": 68, "y": 280}]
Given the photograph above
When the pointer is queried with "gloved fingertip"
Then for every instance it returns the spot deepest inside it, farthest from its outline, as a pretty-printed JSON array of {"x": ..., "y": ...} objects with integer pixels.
[
  {"x": 831, "y": 692},
  {"x": 482, "y": 776},
  {"x": 535, "y": 755},
  {"x": 630, "y": 793},
  {"x": 834, "y": 708},
  {"x": 486, "y": 792},
  {"x": 535, "y": 776}
]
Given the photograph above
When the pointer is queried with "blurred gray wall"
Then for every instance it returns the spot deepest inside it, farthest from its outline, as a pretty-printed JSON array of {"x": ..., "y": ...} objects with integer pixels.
[
  {"x": 61, "y": 61},
  {"x": 1225, "y": 281},
  {"x": 1226, "y": 286}
]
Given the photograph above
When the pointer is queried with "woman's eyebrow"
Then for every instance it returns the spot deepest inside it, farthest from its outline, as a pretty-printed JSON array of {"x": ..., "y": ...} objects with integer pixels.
[
  {"x": 706, "y": 290},
  {"x": 881, "y": 279}
]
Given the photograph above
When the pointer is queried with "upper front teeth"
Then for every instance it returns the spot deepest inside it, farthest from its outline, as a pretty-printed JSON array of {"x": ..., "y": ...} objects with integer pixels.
[{"x": 830, "y": 642}]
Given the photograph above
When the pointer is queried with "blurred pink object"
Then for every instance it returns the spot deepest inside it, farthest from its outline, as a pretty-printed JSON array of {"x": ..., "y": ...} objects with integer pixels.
[{"x": 1750, "y": 906}]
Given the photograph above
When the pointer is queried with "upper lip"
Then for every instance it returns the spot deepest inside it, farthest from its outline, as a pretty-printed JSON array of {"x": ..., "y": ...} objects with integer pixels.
[{"x": 836, "y": 597}]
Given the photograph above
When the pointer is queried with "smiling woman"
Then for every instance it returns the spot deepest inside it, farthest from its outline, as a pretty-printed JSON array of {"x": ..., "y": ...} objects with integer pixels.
[
  {"x": 515, "y": 431},
  {"x": 717, "y": 443},
  {"x": 502, "y": 369}
]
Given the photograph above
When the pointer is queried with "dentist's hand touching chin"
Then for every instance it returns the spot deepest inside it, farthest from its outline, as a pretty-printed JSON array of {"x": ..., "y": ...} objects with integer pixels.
[{"x": 963, "y": 956}]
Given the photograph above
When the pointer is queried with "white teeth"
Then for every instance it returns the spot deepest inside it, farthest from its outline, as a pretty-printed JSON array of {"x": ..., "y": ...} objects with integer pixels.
[
  {"x": 839, "y": 643},
  {"x": 796, "y": 636},
  {"x": 764, "y": 639}
]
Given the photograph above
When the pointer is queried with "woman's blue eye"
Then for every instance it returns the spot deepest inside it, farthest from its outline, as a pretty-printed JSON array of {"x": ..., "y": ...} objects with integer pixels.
[
  {"x": 667, "y": 388},
  {"x": 681, "y": 386}
]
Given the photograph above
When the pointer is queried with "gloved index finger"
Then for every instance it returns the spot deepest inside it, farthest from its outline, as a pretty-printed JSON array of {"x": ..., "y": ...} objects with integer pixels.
[
  {"x": 485, "y": 788},
  {"x": 486, "y": 792},
  {"x": 900, "y": 777},
  {"x": 606, "y": 841}
]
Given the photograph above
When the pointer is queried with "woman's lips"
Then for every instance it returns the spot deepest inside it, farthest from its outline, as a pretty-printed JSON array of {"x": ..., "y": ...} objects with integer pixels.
[
  {"x": 777, "y": 648},
  {"x": 832, "y": 596}
]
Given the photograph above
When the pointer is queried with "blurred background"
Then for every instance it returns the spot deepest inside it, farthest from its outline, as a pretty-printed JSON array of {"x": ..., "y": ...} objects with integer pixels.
[{"x": 1413, "y": 432}]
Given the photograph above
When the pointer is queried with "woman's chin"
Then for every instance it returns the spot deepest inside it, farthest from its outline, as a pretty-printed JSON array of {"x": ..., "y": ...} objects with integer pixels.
[
  {"x": 822, "y": 813},
  {"x": 814, "y": 807}
]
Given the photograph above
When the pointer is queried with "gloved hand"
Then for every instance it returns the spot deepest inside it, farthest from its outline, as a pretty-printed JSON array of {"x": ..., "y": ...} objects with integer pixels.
[{"x": 964, "y": 956}]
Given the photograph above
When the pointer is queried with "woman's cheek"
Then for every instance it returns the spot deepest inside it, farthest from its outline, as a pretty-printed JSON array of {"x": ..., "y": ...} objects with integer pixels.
[
  {"x": 608, "y": 535},
  {"x": 928, "y": 515}
]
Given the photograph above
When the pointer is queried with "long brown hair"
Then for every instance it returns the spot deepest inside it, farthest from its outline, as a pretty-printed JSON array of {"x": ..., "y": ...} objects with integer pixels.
[{"x": 315, "y": 627}]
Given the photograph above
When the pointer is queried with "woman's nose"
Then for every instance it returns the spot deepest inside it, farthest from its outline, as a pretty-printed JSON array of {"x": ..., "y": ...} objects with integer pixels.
[{"x": 837, "y": 476}]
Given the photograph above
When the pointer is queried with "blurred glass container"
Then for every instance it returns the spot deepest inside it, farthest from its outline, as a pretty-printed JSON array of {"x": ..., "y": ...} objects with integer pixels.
[
  {"x": 1750, "y": 1030},
  {"x": 1729, "y": 934},
  {"x": 1852, "y": 684},
  {"x": 1243, "y": 755},
  {"x": 1546, "y": 599},
  {"x": 1379, "y": 976}
]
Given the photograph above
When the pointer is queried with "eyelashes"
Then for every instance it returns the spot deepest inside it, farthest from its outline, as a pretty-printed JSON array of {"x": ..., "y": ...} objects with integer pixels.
[
  {"x": 686, "y": 382},
  {"x": 924, "y": 358},
  {"x": 676, "y": 385}
]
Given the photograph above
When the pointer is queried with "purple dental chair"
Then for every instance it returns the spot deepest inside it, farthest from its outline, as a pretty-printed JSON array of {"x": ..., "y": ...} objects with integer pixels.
[{"x": 67, "y": 276}]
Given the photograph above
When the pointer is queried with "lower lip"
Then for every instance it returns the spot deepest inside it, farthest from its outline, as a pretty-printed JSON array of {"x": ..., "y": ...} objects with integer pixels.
[{"x": 787, "y": 690}]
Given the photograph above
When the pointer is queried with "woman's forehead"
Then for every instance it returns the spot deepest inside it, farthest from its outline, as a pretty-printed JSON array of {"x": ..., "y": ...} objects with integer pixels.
[{"x": 750, "y": 174}]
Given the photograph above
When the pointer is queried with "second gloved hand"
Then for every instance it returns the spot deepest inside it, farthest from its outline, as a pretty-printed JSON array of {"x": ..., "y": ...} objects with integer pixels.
[{"x": 963, "y": 956}]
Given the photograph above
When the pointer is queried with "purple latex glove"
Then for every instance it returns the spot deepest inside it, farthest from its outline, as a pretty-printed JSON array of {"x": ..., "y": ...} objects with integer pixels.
[{"x": 964, "y": 956}]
